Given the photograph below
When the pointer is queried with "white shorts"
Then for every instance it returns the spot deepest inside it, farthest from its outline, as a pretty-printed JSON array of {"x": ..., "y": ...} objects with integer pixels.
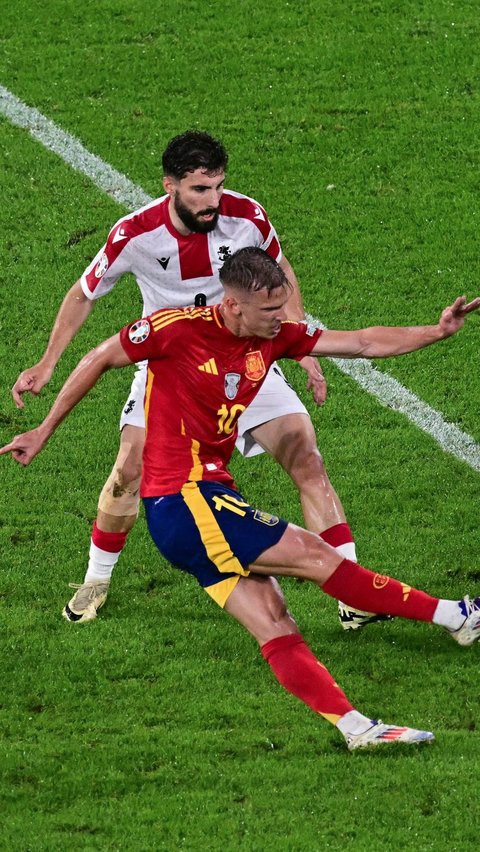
[{"x": 274, "y": 399}]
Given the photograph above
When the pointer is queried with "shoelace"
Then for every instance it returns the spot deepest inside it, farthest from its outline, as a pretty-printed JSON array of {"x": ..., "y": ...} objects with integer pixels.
[
  {"x": 472, "y": 606},
  {"x": 87, "y": 593}
]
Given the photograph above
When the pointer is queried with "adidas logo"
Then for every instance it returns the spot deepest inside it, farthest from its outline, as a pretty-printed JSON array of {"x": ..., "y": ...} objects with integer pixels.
[{"x": 209, "y": 367}]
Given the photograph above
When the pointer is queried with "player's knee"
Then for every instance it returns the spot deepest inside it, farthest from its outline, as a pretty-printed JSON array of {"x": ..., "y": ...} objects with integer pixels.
[
  {"x": 128, "y": 465},
  {"x": 278, "y": 611},
  {"x": 120, "y": 495},
  {"x": 306, "y": 465},
  {"x": 129, "y": 471},
  {"x": 280, "y": 618}
]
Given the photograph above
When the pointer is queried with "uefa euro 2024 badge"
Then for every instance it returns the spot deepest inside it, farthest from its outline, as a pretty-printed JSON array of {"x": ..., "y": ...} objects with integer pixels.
[
  {"x": 139, "y": 331},
  {"x": 101, "y": 266}
]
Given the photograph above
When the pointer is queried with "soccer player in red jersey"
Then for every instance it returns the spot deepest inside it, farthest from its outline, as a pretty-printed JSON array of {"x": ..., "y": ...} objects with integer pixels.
[
  {"x": 175, "y": 247},
  {"x": 205, "y": 365}
]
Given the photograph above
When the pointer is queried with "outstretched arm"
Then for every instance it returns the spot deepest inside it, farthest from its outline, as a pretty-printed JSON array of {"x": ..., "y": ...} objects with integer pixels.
[
  {"x": 109, "y": 354},
  {"x": 72, "y": 313},
  {"x": 295, "y": 311},
  {"x": 383, "y": 341}
]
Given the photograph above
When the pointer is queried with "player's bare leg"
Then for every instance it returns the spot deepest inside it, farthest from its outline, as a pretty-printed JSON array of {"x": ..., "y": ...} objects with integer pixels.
[
  {"x": 258, "y": 604},
  {"x": 300, "y": 553},
  {"x": 117, "y": 512},
  {"x": 291, "y": 440},
  {"x": 119, "y": 499}
]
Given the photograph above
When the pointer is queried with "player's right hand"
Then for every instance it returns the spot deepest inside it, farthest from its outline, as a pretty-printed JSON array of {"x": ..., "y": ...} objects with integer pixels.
[
  {"x": 24, "y": 447},
  {"x": 453, "y": 317},
  {"x": 30, "y": 381}
]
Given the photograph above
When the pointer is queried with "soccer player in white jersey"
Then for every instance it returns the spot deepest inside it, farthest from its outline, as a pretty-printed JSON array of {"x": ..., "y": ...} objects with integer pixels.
[{"x": 175, "y": 247}]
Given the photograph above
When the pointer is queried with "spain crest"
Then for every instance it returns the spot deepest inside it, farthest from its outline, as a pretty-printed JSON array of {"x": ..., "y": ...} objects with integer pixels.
[{"x": 254, "y": 366}]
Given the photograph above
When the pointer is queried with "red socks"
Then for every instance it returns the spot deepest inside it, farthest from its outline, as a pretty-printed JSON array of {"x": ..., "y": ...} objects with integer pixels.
[
  {"x": 298, "y": 670},
  {"x": 105, "y": 549},
  {"x": 364, "y": 589},
  {"x": 112, "y": 542},
  {"x": 337, "y": 535}
]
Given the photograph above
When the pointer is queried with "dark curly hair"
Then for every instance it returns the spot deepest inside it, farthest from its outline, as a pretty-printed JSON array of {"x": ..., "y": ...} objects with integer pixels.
[{"x": 193, "y": 150}]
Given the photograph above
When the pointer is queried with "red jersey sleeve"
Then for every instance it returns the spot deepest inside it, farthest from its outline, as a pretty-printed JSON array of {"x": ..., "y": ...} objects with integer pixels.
[
  {"x": 141, "y": 341},
  {"x": 295, "y": 340}
]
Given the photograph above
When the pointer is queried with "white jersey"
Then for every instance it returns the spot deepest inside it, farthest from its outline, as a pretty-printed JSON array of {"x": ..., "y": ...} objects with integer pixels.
[{"x": 170, "y": 268}]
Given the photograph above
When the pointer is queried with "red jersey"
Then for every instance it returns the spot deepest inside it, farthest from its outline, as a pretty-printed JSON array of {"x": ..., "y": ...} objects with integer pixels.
[{"x": 201, "y": 377}]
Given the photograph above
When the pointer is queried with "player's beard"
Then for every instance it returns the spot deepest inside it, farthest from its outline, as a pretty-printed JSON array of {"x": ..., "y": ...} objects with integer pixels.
[{"x": 192, "y": 221}]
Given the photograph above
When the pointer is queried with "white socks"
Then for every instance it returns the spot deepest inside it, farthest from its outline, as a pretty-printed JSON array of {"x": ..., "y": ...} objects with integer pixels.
[
  {"x": 450, "y": 614},
  {"x": 100, "y": 564},
  {"x": 354, "y": 723},
  {"x": 347, "y": 550}
]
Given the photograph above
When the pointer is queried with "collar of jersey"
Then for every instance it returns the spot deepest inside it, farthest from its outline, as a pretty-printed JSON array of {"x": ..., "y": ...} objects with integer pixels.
[
  {"x": 218, "y": 317},
  {"x": 221, "y": 322}
]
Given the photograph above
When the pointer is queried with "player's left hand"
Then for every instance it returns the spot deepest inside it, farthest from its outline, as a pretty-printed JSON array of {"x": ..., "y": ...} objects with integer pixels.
[
  {"x": 453, "y": 317},
  {"x": 24, "y": 447},
  {"x": 316, "y": 381}
]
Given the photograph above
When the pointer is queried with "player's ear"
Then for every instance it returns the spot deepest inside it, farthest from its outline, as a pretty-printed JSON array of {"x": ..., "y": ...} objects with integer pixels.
[
  {"x": 169, "y": 185},
  {"x": 232, "y": 304}
]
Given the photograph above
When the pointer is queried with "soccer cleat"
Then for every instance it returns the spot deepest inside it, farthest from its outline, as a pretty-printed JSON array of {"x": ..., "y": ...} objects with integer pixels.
[
  {"x": 380, "y": 734},
  {"x": 469, "y": 632},
  {"x": 86, "y": 601},
  {"x": 355, "y": 619}
]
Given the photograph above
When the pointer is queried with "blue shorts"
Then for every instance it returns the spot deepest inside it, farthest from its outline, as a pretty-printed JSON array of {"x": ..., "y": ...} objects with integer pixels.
[{"x": 210, "y": 531}]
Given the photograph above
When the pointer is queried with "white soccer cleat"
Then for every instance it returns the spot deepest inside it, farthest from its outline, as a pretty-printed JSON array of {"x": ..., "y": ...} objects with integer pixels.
[
  {"x": 469, "y": 632},
  {"x": 88, "y": 598},
  {"x": 354, "y": 619},
  {"x": 380, "y": 734}
]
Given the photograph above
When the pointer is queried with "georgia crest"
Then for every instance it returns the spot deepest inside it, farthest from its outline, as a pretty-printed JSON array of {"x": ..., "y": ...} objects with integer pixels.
[{"x": 232, "y": 381}]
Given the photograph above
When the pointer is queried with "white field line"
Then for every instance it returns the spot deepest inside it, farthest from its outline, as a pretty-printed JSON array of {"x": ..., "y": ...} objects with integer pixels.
[
  {"x": 386, "y": 389},
  {"x": 72, "y": 152},
  {"x": 394, "y": 395}
]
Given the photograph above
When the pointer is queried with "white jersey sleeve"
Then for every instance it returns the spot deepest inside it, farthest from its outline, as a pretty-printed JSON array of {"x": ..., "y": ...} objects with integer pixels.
[
  {"x": 248, "y": 224},
  {"x": 115, "y": 258}
]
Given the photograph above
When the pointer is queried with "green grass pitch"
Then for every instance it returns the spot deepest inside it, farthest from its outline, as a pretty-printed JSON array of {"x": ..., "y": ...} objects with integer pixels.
[{"x": 159, "y": 727}]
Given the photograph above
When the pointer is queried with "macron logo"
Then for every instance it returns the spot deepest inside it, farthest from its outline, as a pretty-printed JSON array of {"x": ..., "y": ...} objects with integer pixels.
[
  {"x": 258, "y": 214},
  {"x": 163, "y": 261},
  {"x": 120, "y": 235}
]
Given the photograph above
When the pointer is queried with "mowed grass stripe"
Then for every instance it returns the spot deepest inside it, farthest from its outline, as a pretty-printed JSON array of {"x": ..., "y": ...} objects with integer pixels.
[{"x": 384, "y": 387}]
